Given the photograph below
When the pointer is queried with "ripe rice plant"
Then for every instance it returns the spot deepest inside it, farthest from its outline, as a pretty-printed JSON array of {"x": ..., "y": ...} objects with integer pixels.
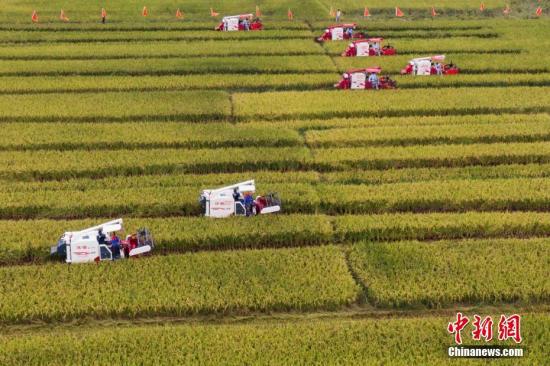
[
  {"x": 389, "y": 103},
  {"x": 455, "y": 195},
  {"x": 440, "y": 226},
  {"x": 204, "y": 283},
  {"x": 431, "y": 174},
  {"x": 334, "y": 340},
  {"x": 99, "y": 136},
  {"x": 439, "y": 274},
  {"x": 104, "y": 83},
  {"x": 95, "y": 36},
  {"x": 389, "y": 157},
  {"x": 62, "y": 165},
  {"x": 93, "y": 107},
  {"x": 438, "y": 134},
  {"x": 28, "y": 241},
  {"x": 405, "y": 122},
  {"x": 142, "y": 50},
  {"x": 171, "y": 66}
]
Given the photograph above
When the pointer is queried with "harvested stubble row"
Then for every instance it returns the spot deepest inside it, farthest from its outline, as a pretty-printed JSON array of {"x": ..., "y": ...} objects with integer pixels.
[
  {"x": 232, "y": 82},
  {"x": 488, "y": 271},
  {"x": 91, "y": 107},
  {"x": 456, "y": 195},
  {"x": 202, "y": 283},
  {"x": 145, "y": 49},
  {"x": 420, "y": 340},
  {"x": 443, "y": 101},
  {"x": 171, "y": 66},
  {"x": 99, "y": 136},
  {"x": 440, "y": 134},
  {"x": 46, "y": 165},
  {"x": 29, "y": 241}
]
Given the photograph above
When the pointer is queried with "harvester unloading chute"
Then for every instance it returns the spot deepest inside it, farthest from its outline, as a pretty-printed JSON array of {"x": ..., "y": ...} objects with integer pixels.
[{"x": 237, "y": 200}]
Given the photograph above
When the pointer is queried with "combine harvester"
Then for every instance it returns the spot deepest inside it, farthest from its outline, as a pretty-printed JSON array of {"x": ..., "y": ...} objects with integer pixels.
[
  {"x": 368, "y": 47},
  {"x": 339, "y": 32},
  {"x": 243, "y": 22},
  {"x": 363, "y": 79},
  {"x": 236, "y": 200},
  {"x": 84, "y": 246},
  {"x": 430, "y": 66}
]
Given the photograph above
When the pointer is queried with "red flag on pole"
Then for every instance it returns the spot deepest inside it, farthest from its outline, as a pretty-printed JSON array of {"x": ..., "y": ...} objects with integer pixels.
[
  {"x": 34, "y": 16},
  {"x": 179, "y": 14},
  {"x": 290, "y": 15},
  {"x": 366, "y": 13},
  {"x": 434, "y": 13},
  {"x": 507, "y": 10},
  {"x": 63, "y": 17},
  {"x": 145, "y": 12},
  {"x": 482, "y": 7},
  {"x": 258, "y": 12},
  {"x": 213, "y": 13},
  {"x": 398, "y": 12},
  {"x": 538, "y": 12}
]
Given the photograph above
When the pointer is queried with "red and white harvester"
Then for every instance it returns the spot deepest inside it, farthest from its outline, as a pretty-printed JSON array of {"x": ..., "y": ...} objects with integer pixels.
[
  {"x": 242, "y": 22},
  {"x": 367, "y": 78},
  {"x": 368, "y": 47},
  {"x": 430, "y": 66},
  {"x": 94, "y": 244},
  {"x": 339, "y": 32},
  {"x": 237, "y": 200}
]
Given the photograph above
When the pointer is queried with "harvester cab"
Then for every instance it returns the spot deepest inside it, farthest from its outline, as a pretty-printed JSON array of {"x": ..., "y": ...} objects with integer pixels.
[
  {"x": 368, "y": 47},
  {"x": 236, "y": 200},
  {"x": 339, "y": 32},
  {"x": 240, "y": 22},
  {"x": 430, "y": 66},
  {"x": 85, "y": 246},
  {"x": 363, "y": 79}
]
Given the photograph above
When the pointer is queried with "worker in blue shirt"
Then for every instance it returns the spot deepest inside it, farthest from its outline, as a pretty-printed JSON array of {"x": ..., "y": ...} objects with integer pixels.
[
  {"x": 373, "y": 79},
  {"x": 248, "y": 204}
]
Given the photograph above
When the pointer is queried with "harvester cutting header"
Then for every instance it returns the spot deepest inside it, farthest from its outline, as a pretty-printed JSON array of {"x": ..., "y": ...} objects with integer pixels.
[
  {"x": 237, "y": 200},
  {"x": 242, "y": 22},
  {"x": 430, "y": 66}
]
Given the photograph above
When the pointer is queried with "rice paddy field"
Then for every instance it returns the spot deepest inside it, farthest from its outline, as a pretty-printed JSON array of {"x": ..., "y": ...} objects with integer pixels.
[{"x": 399, "y": 207}]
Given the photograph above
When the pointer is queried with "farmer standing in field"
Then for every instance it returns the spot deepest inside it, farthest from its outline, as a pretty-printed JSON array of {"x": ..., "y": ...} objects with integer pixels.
[
  {"x": 338, "y": 15},
  {"x": 103, "y": 15}
]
